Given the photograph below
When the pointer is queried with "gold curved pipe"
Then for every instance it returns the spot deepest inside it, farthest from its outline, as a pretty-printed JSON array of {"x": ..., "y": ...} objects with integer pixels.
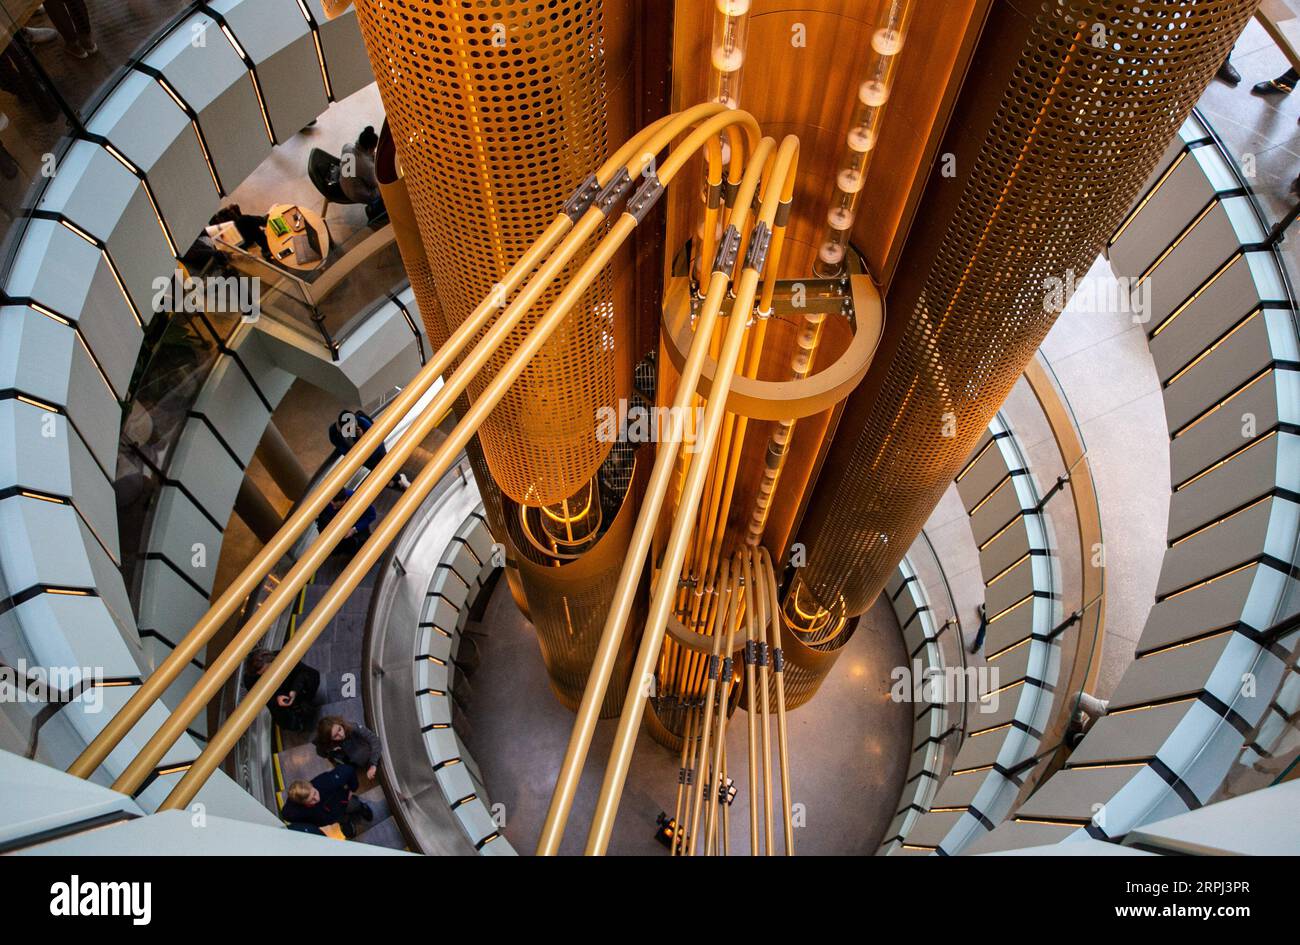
[
  {"x": 629, "y": 579},
  {"x": 681, "y": 783},
  {"x": 778, "y": 667},
  {"x": 751, "y": 718},
  {"x": 312, "y": 504},
  {"x": 388, "y": 529},
  {"x": 243, "y": 715},
  {"x": 723, "y": 475},
  {"x": 772, "y": 273},
  {"x": 675, "y": 551},
  {"x": 764, "y": 687},
  {"x": 706, "y": 714},
  {"x": 724, "y": 697},
  {"x": 282, "y": 596}
]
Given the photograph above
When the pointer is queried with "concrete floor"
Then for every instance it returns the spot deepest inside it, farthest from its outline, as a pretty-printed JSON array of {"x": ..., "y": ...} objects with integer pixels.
[{"x": 848, "y": 746}]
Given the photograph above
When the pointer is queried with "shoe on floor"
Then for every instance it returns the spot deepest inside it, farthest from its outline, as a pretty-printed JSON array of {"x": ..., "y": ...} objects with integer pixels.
[
  {"x": 401, "y": 482},
  {"x": 1271, "y": 87},
  {"x": 1228, "y": 73},
  {"x": 76, "y": 51},
  {"x": 367, "y": 812},
  {"x": 38, "y": 35}
]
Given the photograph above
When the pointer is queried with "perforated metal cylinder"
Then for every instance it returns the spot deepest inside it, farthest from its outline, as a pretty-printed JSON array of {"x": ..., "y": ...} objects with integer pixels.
[
  {"x": 1070, "y": 106},
  {"x": 569, "y": 603},
  {"x": 406, "y": 233},
  {"x": 499, "y": 108}
]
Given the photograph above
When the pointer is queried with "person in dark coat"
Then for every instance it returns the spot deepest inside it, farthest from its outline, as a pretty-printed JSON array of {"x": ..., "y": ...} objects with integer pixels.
[
  {"x": 349, "y": 428},
  {"x": 357, "y": 534},
  {"x": 983, "y": 629},
  {"x": 251, "y": 227},
  {"x": 347, "y": 743},
  {"x": 327, "y": 799},
  {"x": 293, "y": 707}
]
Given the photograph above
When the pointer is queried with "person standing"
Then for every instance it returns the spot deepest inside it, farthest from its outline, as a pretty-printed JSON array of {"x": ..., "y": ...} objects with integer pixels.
[
  {"x": 1228, "y": 72},
  {"x": 983, "y": 629},
  {"x": 293, "y": 706},
  {"x": 357, "y": 534},
  {"x": 1282, "y": 85},
  {"x": 72, "y": 20},
  {"x": 344, "y": 433}
]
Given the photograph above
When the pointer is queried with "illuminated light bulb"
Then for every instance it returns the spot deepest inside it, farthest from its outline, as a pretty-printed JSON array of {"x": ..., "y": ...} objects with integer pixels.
[
  {"x": 887, "y": 42},
  {"x": 873, "y": 93},
  {"x": 831, "y": 253},
  {"x": 862, "y": 139},
  {"x": 840, "y": 218},
  {"x": 728, "y": 60},
  {"x": 733, "y": 7},
  {"x": 850, "y": 181}
]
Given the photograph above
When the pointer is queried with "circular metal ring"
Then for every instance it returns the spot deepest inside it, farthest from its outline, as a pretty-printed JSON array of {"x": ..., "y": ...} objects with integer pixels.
[{"x": 784, "y": 400}]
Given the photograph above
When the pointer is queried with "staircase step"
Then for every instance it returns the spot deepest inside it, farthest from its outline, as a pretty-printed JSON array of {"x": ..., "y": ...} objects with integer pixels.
[
  {"x": 382, "y": 833},
  {"x": 301, "y": 763}
]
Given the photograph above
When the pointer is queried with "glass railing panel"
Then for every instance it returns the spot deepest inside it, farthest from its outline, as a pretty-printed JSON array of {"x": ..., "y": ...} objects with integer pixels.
[
  {"x": 370, "y": 282},
  {"x": 174, "y": 365},
  {"x": 328, "y": 302},
  {"x": 943, "y": 611},
  {"x": 58, "y": 60},
  {"x": 1271, "y": 751},
  {"x": 1049, "y": 442},
  {"x": 34, "y": 118}
]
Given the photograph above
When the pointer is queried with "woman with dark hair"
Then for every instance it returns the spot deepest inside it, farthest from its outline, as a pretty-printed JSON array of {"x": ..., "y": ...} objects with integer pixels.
[
  {"x": 348, "y": 743},
  {"x": 293, "y": 707}
]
